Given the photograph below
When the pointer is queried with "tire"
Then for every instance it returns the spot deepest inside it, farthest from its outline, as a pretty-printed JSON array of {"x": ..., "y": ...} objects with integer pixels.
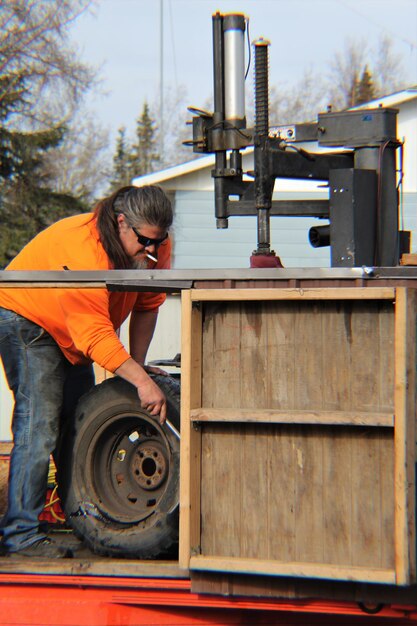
[{"x": 118, "y": 472}]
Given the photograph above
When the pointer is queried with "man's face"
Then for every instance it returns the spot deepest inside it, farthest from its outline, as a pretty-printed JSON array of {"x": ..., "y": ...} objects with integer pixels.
[{"x": 136, "y": 251}]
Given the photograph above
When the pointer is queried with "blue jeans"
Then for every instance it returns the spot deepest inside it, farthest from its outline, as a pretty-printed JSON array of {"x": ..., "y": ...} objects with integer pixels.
[{"x": 46, "y": 388}]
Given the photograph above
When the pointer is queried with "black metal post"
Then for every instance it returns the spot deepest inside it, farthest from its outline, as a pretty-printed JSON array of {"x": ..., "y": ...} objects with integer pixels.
[
  {"x": 263, "y": 189},
  {"x": 220, "y": 198}
]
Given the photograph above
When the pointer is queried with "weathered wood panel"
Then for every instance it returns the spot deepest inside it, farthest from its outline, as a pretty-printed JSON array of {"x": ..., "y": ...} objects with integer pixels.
[
  {"x": 307, "y": 431},
  {"x": 299, "y": 355},
  {"x": 311, "y": 494}
]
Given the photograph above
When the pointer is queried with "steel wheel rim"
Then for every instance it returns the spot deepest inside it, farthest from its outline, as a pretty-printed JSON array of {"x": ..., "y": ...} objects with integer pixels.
[{"x": 128, "y": 465}]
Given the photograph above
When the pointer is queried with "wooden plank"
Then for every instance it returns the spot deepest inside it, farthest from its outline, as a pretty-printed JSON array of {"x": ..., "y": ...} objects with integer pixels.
[
  {"x": 365, "y": 499},
  {"x": 387, "y": 505},
  {"x": 337, "y": 490},
  {"x": 386, "y": 318},
  {"x": 221, "y": 492},
  {"x": 306, "y": 570},
  {"x": 6, "y": 447},
  {"x": 292, "y": 588},
  {"x": 189, "y": 530},
  {"x": 92, "y": 569},
  {"x": 209, "y": 489},
  {"x": 275, "y": 416},
  {"x": 101, "y": 374},
  {"x": 405, "y": 435},
  {"x": 408, "y": 259},
  {"x": 256, "y": 535},
  {"x": 336, "y": 349},
  {"x": 221, "y": 357},
  {"x": 281, "y": 512},
  {"x": 308, "y": 469},
  {"x": 308, "y": 369},
  {"x": 281, "y": 355},
  {"x": 209, "y": 373},
  {"x": 362, "y": 370},
  {"x": 313, "y": 293},
  {"x": 254, "y": 358}
]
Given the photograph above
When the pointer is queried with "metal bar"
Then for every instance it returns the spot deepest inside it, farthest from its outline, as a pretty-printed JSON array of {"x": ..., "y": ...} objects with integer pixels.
[
  {"x": 295, "y": 133},
  {"x": 173, "y": 429},
  {"x": 134, "y": 277},
  {"x": 289, "y": 208},
  {"x": 173, "y": 286},
  {"x": 185, "y": 278},
  {"x": 141, "y": 277},
  {"x": 285, "y": 164}
]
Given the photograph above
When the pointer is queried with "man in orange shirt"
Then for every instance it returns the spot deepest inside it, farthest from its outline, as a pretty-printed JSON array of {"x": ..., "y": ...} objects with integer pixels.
[{"x": 49, "y": 339}]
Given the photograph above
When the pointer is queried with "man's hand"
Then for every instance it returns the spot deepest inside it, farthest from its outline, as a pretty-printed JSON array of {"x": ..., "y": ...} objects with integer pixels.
[
  {"x": 152, "y": 369},
  {"x": 152, "y": 399}
]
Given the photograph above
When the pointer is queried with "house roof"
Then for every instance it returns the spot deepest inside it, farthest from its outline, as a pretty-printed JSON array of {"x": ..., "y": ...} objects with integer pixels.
[
  {"x": 391, "y": 100},
  {"x": 175, "y": 171}
]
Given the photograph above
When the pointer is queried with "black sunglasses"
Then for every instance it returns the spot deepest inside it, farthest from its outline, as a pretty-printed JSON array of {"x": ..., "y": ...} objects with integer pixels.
[{"x": 147, "y": 241}]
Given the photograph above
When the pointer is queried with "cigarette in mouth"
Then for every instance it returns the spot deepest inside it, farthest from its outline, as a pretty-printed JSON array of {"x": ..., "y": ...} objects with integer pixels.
[{"x": 152, "y": 258}]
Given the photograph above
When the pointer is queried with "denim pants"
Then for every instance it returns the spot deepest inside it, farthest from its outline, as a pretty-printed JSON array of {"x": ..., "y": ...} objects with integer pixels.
[{"x": 46, "y": 388}]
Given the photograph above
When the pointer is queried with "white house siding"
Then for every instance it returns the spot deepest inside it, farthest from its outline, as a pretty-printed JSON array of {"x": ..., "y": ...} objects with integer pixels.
[
  {"x": 408, "y": 216},
  {"x": 198, "y": 244},
  {"x": 6, "y": 403},
  {"x": 407, "y": 132}
]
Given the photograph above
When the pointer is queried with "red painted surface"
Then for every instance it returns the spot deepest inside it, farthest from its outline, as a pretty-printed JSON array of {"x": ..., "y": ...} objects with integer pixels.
[
  {"x": 45, "y": 600},
  {"x": 52, "y": 513}
]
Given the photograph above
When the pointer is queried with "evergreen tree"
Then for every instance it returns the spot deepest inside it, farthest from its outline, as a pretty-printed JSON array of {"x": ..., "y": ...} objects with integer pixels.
[
  {"x": 33, "y": 100},
  {"x": 132, "y": 159},
  {"x": 343, "y": 82},
  {"x": 121, "y": 162},
  {"x": 11, "y": 98},
  {"x": 144, "y": 156},
  {"x": 28, "y": 204},
  {"x": 364, "y": 89}
]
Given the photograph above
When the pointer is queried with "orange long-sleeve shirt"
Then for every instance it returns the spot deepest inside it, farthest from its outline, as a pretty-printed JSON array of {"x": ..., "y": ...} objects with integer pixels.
[{"x": 83, "y": 322}]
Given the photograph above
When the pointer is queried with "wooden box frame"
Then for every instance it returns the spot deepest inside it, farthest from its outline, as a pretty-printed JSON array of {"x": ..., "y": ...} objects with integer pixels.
[{"x": 395, "y": 423}]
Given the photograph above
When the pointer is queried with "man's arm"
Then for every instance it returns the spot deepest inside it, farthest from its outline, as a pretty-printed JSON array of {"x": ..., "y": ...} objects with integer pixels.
[
  {"x": 141, "y": 330},
  {"x": 142, "y": 326}
]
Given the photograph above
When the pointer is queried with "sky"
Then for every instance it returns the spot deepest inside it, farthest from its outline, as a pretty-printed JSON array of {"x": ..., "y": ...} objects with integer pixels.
[{"x": 123, "y": 39}]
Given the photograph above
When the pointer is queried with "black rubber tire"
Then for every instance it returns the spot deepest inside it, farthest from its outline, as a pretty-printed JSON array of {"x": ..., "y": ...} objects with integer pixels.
[{"x": 118, "y": 472}]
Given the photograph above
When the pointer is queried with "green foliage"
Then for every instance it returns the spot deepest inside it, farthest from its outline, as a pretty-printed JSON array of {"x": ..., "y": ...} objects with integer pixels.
[
  {"x": 25, "y": 210},
  {"x": 11, "y": 101},
  {"x": 121, "y": 175},
  {"x": 135, "y": 158},
  {"x": 364, "y": 88},
  {"x": 41, "y": 82},
  {"x": 27, "y": 202},
  {"x": 144, "y": 156}
]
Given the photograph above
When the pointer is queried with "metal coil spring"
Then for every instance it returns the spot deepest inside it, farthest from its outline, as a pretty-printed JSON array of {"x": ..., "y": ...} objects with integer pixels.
[{"x": 261, "y": 87}]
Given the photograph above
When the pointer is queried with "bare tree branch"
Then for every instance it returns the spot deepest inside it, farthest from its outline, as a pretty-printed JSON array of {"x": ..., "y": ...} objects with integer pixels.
[{"x": 35, "y": 45}]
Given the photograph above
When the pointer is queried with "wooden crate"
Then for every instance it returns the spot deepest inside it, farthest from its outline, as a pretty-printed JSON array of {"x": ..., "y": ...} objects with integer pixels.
[{"x": 298, "y": 433}]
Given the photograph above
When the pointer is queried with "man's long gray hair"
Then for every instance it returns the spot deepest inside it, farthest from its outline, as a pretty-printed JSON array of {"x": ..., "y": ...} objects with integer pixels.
[
  {"x": 144, "y": 205},
  {"x": 140, "y": 205}
]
